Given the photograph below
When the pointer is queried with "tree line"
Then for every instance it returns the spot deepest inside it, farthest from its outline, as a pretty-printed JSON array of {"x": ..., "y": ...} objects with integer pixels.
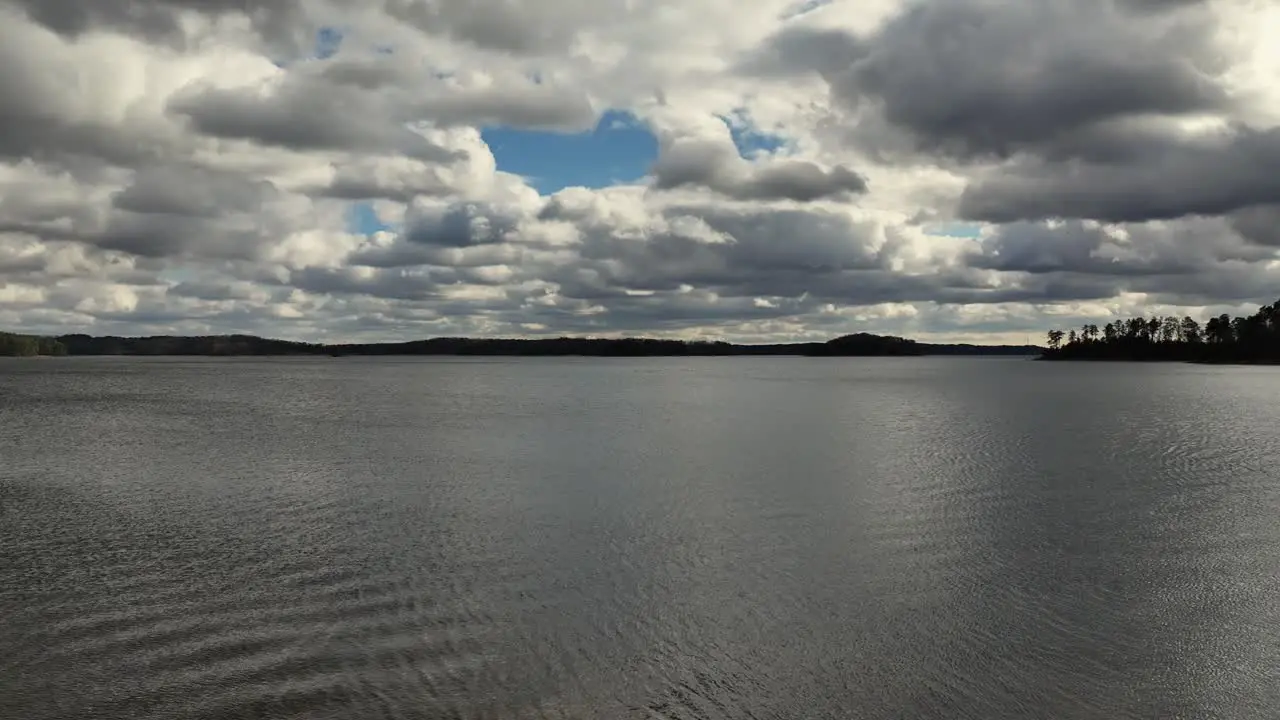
[
  {"x": 1253, "y": 338},
  {"x": 858, "y": 344},
  {"x": 12, "y": 345}
]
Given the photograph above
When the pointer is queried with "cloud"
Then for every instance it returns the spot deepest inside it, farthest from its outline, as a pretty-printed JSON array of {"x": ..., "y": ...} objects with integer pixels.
[
  {"x": 799, "y": 180},
  {"x": 191, "y": 192},
  {"x": 1259, "y": 224},
  {"x": 196, "y": 165},
  {"x": 69, "y": 17},
  {"x": 986, "y": 77},
  {"x": 1214, "y": 175},
  {"x": 798, "y": 50},
  {"x": 1149, "y": 249},
  {"x": 282, "y": 23},
  {"x": 304, "y": 116},
  {"x": 710, "y": 160},
  {"x": 332, "y": 111},
  {"x": 496, "y": 25}
]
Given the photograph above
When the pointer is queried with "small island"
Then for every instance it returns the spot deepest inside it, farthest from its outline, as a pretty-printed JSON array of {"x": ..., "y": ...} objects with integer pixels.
[
  {"x": 1223, "y": 339},
  {"x": 856, "y": 345}
]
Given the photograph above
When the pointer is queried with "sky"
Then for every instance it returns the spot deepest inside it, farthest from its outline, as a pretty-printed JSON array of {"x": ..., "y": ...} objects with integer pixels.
[{"x": 363, "y": 170}]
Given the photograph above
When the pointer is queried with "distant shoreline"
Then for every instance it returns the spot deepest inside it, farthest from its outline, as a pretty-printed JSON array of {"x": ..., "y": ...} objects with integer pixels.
[{"x": 857, "y": 345}]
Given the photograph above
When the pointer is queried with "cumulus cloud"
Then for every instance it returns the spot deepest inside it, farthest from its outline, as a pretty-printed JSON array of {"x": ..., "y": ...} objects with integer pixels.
[
  {"x": 506, "y": 26},
  {"x": 976, "y": 77},
  {"x": 301, "y": 111},
  {"x": 191, "y": 192},
  {"x": 713, "y": 163},
  {"x": 945, "y": 168}
]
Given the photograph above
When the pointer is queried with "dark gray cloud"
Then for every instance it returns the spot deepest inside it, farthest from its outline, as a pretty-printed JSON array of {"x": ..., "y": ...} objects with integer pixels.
[
  {"x": 1238, "y": 284},
  {"x": 793, "y": 239},
  {"x": 800, "y": 50},
  {"x": 1259, "y": 224},
  {"x": 382, "y": 283},
  {"x": 798, "y": 180},
  {"x": 192, "y": 191},
  {"x": 482, "y": 24},
  {"x": 172, "y": 236},
  {"x": 32, "y": 205},
  {"x": 213, "y": 290},
  {"x": 74, "y": 17},
  {"x": 306, "y": 115},
  {"x": 404, "y": 254},
  {"x": 530, "y": 106},
  {"x": 166, "y": 212},
  {"x": 1158, "y": 5},
  {"x": 721, "y": 249},
  {"x": 1171, "y": 179},
  {"x": 1197, "y": 262},
  {"x": 1077, "y": 101},
  {"x": 366, "y": 73},
  {"x": 491, "y": 24},
  {"x": 1042, "y": 248},
  {"x": 460, "y": 225},
  {"x": 516, "y": 27},
  {"x": 43, "y": 117},
  {"x": 309, "y": 112},
  {"x": 281, "y": 22},
  {"x": 289, "y": 26},
  {"x": 982, "y": 77},
  {"x": 717, "y": 166},
  {"x": 59, "y": 143},
  {"x": 350, "y": 186}
]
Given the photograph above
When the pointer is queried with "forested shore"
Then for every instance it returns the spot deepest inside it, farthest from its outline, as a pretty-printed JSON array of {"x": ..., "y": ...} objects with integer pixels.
[
  {"x": 14, "y": 345},
  {"x": 1222, "y": 339}
]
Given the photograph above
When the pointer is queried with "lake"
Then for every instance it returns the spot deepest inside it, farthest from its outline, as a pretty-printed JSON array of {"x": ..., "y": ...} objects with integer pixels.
[{"x": 638, "y": 538}]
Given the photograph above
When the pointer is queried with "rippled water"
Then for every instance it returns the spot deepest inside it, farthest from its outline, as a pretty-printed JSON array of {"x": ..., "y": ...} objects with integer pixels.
[{"x": 659, "y": 538}]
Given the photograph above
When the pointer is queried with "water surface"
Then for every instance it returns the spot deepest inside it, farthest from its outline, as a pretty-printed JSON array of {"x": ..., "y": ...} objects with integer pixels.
[{"x": 653, "y": 538}]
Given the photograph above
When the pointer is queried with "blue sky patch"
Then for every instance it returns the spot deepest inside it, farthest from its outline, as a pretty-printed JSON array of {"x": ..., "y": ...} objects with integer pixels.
[
  {"x": 751, "y": 143},
  {"x": 363, "y": 220},
  {"x": 956, "y": 230},
  {"x": 619, "y": 150},
  {"x": 328, "y": 42},
  {"x": 749, "y": 140}
]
